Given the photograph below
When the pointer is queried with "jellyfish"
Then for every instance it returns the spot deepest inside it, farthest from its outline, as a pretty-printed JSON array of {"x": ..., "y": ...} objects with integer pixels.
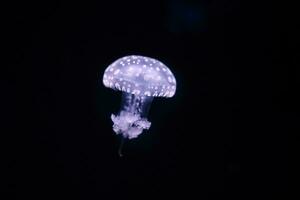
[{"x": 140, "y": 79}]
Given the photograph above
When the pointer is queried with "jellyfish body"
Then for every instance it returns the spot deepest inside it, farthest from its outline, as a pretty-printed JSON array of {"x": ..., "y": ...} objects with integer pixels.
[{"x": 140, "y": 79}]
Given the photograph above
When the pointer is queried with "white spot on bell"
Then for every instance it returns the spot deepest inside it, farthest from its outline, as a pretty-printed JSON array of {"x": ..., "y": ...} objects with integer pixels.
[
  {"x": 117, "y": 85},
  {"x": 137, "y": 92},
  {"x": 106, "y": 82},
  {"x": 171, "y": 93},
  {"x": 147, "y": 93},
  {"x": 116, "y": 72}
]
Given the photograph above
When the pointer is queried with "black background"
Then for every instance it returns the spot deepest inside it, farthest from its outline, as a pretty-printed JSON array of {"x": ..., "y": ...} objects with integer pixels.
[{"x": 223, "y": 134}]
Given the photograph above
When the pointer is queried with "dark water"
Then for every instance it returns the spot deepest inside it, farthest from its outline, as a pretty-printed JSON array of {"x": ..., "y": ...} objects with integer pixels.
[{"x": 222, "y": 136}]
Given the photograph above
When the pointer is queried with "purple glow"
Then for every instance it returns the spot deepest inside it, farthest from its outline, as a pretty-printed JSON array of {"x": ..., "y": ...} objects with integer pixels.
[{"x": 140, "y": 79}]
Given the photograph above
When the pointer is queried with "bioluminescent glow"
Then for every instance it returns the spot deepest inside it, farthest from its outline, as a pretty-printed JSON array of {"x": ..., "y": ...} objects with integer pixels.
[{"x": 140, "y": 79}]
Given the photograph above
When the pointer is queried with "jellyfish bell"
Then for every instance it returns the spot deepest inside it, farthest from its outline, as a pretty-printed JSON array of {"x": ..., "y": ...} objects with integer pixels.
[{"x": 140, "y": 79}]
